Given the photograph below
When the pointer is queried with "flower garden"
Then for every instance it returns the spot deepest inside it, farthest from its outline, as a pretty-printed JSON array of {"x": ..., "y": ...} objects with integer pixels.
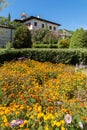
[{"x": 42, "y": 96}]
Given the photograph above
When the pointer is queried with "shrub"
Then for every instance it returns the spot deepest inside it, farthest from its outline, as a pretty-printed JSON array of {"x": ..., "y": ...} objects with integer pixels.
[
  {"x": 64, "y": 43},
  {"x": 22, "y": 38},
  {"x": 8, "y": 45},
  {"x": 66, "y": 56}
]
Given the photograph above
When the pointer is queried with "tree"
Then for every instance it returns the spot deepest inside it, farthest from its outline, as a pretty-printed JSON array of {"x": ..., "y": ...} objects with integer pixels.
[
  {"x": 78, "y": 40},
  {"x": 9, "y": 17},
  {"x": 38, "y": 35},
  {"x": 3, "y": 4},
  {"x": 22, "y": 38},
  {"x": 50, "y": 38},
  {"x": 3, "y": 20},
  {"x": 7, "y": 21}
]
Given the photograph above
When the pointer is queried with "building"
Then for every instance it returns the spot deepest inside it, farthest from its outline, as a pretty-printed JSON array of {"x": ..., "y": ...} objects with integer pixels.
[
  {"x": 63, "y": 33},
  {"x": 34, "y": 23}
]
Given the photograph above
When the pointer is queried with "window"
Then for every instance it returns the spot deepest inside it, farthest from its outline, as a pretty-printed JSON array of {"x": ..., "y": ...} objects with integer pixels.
[
  {"x": 42, "y": 25},
  {"x": 35, "y": 23},
  {"x": 50, "y": 27},
  {"x": 54, "y": 28},
  {"x": 29, "y": 24}
]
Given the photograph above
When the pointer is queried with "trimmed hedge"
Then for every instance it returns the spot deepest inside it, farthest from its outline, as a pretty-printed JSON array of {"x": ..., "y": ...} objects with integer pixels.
[{"x": 66, "y": 56}]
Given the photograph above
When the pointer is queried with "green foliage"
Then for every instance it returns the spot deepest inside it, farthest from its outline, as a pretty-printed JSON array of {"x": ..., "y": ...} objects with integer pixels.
[
  {"x": 3, "y": 21},
  {"x": 79, "y": 39},
  {"x": 64, "y": 43},
  {"x": 22, "y": 38},
  {"x": 50, "y": 38},
  {"x": 7, "y": 21},
  {"x": 38, "y": 35},
  {"x": 9, "y": 17},
  {"x": 3, "y": 4},
  {"x": 66, "y": 56},
  {"x": 44, "y": 36},
  {"x": 8, "y": 45}
]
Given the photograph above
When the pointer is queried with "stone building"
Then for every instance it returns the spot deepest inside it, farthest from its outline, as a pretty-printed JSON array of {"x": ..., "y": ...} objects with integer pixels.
[{"x": 6, "y": 35}]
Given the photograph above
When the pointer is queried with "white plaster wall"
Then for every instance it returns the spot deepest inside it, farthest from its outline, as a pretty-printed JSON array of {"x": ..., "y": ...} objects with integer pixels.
[{"x": 39, "y": 24}]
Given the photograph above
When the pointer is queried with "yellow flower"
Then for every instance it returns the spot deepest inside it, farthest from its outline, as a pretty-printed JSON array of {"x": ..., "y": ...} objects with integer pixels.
[
  {"x": 58, "y": 124},
  {"x": 25, "y": 121},
  {"x": 17, "y": 112},
  {"x": 62, "y": 128},
  {"x": 40, "y": 115},
  {"x": 46, "y": 128},
  {"x": 22, "y": 125},
  {"x": 5, "y": 119},
  {"x": 62, "y": 121},
  {"x": 7, "y": 124},
  {"x": 39, "y": 109}
]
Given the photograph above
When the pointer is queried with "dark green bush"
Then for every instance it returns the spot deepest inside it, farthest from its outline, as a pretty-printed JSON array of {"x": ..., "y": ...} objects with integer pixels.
[
  {"x": 22, "y": 38},
  {"x": 66, "y": 56}
]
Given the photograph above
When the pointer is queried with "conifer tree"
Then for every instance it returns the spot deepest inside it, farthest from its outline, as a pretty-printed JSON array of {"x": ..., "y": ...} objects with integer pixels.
[{"x": 77, "y": 39}]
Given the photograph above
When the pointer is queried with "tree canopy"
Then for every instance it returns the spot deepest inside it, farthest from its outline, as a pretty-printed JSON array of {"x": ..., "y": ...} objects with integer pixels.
[
  {"x": 79, "y": 39},
  {"x": 3, "y": 4}
]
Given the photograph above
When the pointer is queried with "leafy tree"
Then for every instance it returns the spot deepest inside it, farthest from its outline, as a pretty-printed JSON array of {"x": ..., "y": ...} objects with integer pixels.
[
  {"x": 44, "y": 36},
  {"x": 7, "y": 21},
  {"x": 22, "y": 38},
  {"x": 78, "y": 40},
  {"x": 3, "y": 3},
  {"x": 50, "y": 38},
  {"x": 3, "y": 20},
  {"x": 38, "y": 35}
]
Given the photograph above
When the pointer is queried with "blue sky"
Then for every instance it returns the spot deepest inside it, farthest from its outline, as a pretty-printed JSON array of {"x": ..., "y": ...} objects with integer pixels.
[{"x": 71, "y": 14}]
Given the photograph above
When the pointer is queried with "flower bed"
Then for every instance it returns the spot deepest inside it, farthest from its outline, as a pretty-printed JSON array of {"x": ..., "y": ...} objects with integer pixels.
[{"x": 42, "y": 96}]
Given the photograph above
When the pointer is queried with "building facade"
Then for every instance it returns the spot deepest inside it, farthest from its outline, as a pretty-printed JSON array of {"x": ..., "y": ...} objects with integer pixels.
[{"x": 34, "y": 23}]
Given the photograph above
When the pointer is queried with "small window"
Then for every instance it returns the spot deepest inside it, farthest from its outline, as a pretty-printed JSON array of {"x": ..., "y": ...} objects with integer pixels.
[
  {"x": 54, "y": 28},
  {"x": 35, "y": 23},
  {"x": 42, "y": 25},
  {"x": 29, "y": 23},
  {"x": 50, "y": 27}
]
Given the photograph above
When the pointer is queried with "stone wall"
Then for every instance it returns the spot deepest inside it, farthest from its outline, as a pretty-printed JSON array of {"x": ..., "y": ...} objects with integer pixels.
[{"x": 6, "y": 35}]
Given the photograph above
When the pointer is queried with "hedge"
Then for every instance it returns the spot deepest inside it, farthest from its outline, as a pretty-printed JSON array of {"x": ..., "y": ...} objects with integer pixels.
[{"x": 66, "y": 56}]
